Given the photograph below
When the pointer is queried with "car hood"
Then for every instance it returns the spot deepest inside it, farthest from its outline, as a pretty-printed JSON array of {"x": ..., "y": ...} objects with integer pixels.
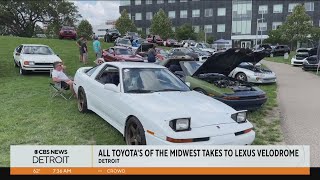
[
  {"x": 144, "y": 47},
  {"x": 40, "y": 58},
  {"x": 165, "y": 106},
  {"x": 225, "y": 62}
]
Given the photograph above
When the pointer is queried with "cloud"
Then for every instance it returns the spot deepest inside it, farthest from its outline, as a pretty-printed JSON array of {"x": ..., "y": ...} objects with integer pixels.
[{"x": 98, "y": 12}]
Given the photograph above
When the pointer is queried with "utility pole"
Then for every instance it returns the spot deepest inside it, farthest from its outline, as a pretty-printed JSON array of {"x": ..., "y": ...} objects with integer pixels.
[{"x": 261, "y": 28}]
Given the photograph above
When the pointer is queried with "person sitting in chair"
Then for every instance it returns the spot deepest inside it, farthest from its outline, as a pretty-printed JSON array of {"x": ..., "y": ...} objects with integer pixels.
[{"x": 58, "y": 76}]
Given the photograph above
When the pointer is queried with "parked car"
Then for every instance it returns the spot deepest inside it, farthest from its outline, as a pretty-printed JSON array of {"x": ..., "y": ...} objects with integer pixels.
[
  {"x": 122, "y": 42},
  {"x": 68, "y": 32},
  {"x": 211, "y": 78},
  {"x": 171, "y": 43},
  {"x": 183, "y": 52},
  {"x": 301, "y": 54},
  {"x": 132, "y": 35},
  {"x": 310, "y": 63},
  {"x": 137, "y": 42},
  {"x": 119, "y": 53},
  {"x": 253, "y": 73},
  {"x": 155, "y": 39},
  {"x": 148, "y": 105},
  {"x": 161, "y": 54},
  {"x": 190, "y": 42},
  {"x": 280, "y": 50},
  {"x": 143, "y": 49},
  {"x": 205, "y": 47},
  {"x": 202, "y": 55},
  {"x": 34, "y": 58},
  {"x": 111, "y": 35}
]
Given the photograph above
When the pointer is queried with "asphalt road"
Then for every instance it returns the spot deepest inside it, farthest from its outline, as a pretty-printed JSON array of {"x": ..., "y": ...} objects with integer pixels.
[{"x": 299, "y": 100}]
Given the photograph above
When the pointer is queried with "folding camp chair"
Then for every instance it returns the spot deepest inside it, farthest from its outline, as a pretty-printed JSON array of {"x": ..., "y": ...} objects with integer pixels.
[{"x": 59, "y": 90}]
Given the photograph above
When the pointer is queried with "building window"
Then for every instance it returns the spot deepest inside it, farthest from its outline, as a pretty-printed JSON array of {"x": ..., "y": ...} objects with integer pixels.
[
  {"x": 183, "y": 0},
  {"x": 125, "y": 3},
  {"x": 309, "y": 6},
  {"x": 172, "y": 14},
  {"x": 138, "y": 16},
  {"x": 137, "y": 2},
  {"x": 139, "y": 29},
  {"x": 221, "y": 12},
  {"x": 277, "y": 8},
  {"x": 262, "y": 26},
  {"x": 148, "y": 1},
  {"x": 221, "y": 28},
  {"x": 263, "y": 9},
  {"x": 196, "y": 29},
  {"x": 208, "y": 12},
  {"x": 275, "y": 25},
  {"x": 292, "y": 6},
  {"x": 173, "y": 29},
  {"x": 148, "y": 31},
  {"x": 171, "y": 1},
  {"x": 148, "y": 15},
  {"x": 208, "y": 28},
  {"x": 196, "y": 13},
  {"x": 184, "y": 14},
  {"x": 160, "y": 1}
]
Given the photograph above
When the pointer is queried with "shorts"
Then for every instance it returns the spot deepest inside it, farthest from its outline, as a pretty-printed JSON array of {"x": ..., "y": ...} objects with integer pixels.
[{"x": 80, "y": 50}]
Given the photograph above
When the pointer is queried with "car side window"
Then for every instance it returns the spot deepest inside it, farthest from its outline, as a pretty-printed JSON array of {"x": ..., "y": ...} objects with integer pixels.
[
  {"x": 89, "y": 72},
  {"x": 109, "y": 75},
  {"x": 19, "y": 49}
]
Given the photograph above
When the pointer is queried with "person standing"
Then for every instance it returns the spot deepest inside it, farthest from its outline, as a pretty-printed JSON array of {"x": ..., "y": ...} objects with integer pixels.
[
  {"x": 79, "y": 44},
  {"x": 97, "y": 47},
  {"x": 152, "y": 54},
  {"x": 84, "y": 50}
]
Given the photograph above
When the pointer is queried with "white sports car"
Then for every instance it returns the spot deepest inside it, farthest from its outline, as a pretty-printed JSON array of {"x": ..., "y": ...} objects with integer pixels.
[
  {"x": 302, "y": 54},
  {"x": 150, "y": 105},
  {"x": 253, "y": 73},
  {"x": 34, "y": 57}
]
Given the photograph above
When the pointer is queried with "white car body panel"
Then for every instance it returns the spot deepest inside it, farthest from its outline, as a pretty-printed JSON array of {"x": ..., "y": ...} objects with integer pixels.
[
  {"x": 209, "y": 117},
  {"x": 254, "y": 78}
]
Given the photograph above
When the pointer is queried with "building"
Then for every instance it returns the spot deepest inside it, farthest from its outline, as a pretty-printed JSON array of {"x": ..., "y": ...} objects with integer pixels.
[
  {"x": 100, "y": 30},
  {"x": 235, "y": 20}
]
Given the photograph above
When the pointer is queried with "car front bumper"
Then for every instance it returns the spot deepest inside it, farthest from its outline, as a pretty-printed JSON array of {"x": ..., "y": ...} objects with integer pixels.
[
  {"x": 296, "y": 62},
  {"x": 244, "y": 104},
  {"x": 310, "y": 67},
  {"x": 228, "y": 139},
  {"x": 38, "y": 68},
  {"x": 262, "y": 80}
]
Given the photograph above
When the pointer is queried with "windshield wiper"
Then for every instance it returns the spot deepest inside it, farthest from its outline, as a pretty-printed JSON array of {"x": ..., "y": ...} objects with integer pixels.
[
  {"x": 139, "y": 91},
  {"x": 163, "y": 90}
]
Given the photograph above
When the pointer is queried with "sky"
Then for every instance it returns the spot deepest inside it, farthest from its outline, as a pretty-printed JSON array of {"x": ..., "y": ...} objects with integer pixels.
[{"x": 98, "y": 12}]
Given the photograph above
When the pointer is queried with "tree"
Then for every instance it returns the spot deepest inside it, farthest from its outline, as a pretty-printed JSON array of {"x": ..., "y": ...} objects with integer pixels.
[
  {"x": 161, "y": 25},
  {"x": 124, "y": 23},
  {"x": 297, "y": 27},
  {"x": 315, "y": 35},
  {"x": 185, "y": 32},
  {"x": 38, "y": 30},
  {"x": 20, "y": 17},
  {"x": 277, "y": 36},
  {"x": 85, "y": 29},
  {"x": 210, "y": 39},
  {"x": 201, "y": 36}
]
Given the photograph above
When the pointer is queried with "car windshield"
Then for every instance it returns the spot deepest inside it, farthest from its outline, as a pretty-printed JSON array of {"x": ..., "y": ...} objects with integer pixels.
[
  {"x": 161, "y": 51},
  {"x": 303, "y": 51},
  {"x": 191, "y": 66},
  {"x": 185, "y": 50},
  {"x": 122, "y": 51},
  {"x": 67, "y": 28},
  {"x": 113, "y": 31},
  {"x": 149, "y": 80},
  {"x": 206, "y": 45},
  {"x": 43, "y": 50},
  {"x": 124, "y": 41}
]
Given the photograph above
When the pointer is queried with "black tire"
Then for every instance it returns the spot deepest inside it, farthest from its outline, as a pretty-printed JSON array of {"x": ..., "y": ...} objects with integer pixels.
[
  {"x": 134, "y": 132},
  {"x": 241, "y": 76},
  {"x": 199, "y": 90},
  {"x": 22, "y": 71},
  {"x": 82, "y": 101}
]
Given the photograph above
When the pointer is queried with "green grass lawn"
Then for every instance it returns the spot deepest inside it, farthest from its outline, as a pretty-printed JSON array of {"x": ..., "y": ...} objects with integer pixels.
[
  {"x": 28, "y": 115},
  {"x": 280, "y": 59}
]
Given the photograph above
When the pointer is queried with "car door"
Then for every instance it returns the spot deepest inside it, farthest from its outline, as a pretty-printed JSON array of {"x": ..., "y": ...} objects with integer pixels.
[
  {"x": 17, "y": 54},
  {"x": 107, "y": 104}
]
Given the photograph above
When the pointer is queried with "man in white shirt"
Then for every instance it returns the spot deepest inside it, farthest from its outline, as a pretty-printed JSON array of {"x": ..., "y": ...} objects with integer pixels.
[{"x": 59, "y": 76}]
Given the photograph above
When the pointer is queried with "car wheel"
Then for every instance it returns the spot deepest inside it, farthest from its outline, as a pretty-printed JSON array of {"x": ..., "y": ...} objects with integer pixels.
[
  {"x": 199, "y": 90},
  {"x": 134, "y": 132},
  {"x": 22, "y": 71},
  {"x": 82, "y": 101},
  {"x": 241, "y": 76}
]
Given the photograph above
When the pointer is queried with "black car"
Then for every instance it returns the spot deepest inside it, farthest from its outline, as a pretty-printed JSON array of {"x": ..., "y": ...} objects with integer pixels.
[
  {"x": 310, "y": 63},
  {"x": 183, "y": 52},
  {"x": 280, "y": 50},
  {"x": 111, "y": 35}
]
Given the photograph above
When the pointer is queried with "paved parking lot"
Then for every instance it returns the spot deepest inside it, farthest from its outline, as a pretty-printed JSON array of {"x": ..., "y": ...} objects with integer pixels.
[{"x": 299, "y": 100}]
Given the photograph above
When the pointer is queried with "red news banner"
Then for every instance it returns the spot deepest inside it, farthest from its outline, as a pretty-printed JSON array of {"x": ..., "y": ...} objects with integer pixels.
[{"x": 155, "y": 160}]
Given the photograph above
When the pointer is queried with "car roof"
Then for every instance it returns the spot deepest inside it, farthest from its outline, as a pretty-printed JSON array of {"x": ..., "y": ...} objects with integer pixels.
[
  {"x": 123, "y": 65},
  {"x": 34, "y": 45},
  {"x": 119, "y": 47}
]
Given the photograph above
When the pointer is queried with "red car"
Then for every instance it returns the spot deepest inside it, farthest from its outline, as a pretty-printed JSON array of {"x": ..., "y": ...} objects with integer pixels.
[
  {"x": 68, "y": 32},
  {"x": 155, "y": 39},
  {"x": 161, "y": 54},
  {"x": 119, "y": 53}
]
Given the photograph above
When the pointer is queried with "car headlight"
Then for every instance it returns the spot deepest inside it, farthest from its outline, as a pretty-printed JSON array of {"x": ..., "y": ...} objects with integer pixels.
[
  {"x": 28, "y": 63},
  {"x": 182, "y": 124},
  {"x": 240, "y": 117}
]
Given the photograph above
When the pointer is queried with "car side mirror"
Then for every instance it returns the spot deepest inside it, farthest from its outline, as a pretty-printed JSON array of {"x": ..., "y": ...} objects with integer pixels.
[
  {"x": 58, "y": 55},
  {"x": 112, "y": 87},
  {"x": 188, "y": 84},
  {"x": 17, "y": 54}
]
